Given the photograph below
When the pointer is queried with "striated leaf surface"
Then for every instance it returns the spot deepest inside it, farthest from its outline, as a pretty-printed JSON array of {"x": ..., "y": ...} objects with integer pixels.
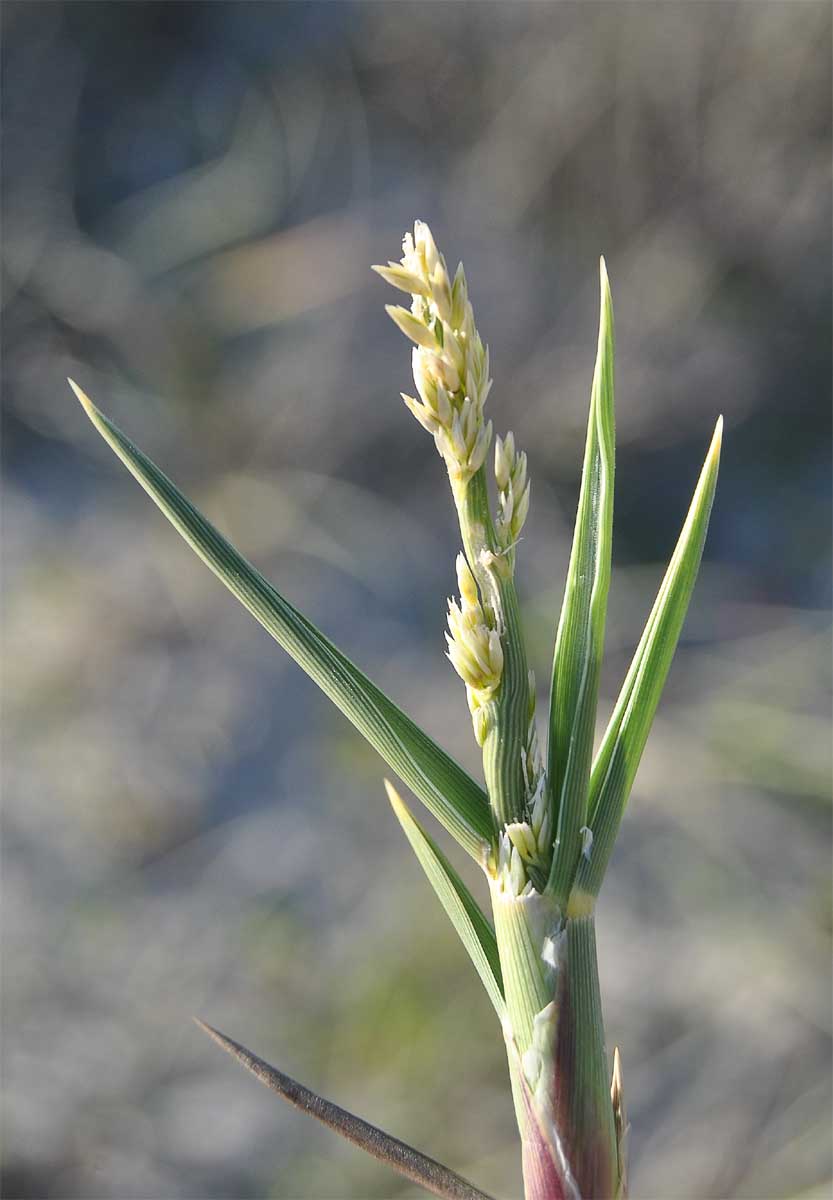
[
  {"x": 439, "y": 782},
  {"x": 581, "y": 627},
  {"x": 618, "y": 759},
  {"x": 463, "y": 911}
]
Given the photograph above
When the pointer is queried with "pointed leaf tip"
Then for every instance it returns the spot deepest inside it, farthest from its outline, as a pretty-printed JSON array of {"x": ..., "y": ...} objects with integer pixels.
[
  {"x": 82, "y": 397},
  {"x": 454, "y": 798},
  {"x": 461, "y": 908},
  {"x": 225, "y": 1043},
  {"x": 617, "y": 761},
  {"x": 213, "y": 1033},
  {"x": 580, "y": 635},
  {"x": 397, "y": 1155},
  {"x": 717, "y": 437},
  {"x": 396, "y": 801}
]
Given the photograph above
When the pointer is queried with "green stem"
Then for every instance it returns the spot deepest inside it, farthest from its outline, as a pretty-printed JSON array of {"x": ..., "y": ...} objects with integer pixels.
[{"x": 556, "y": 1049}]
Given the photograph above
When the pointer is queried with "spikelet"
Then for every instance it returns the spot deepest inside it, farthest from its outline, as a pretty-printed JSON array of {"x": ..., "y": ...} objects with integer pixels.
[
  {"x": 474, "y": 648},
  {"x": 513, "y": 490}
]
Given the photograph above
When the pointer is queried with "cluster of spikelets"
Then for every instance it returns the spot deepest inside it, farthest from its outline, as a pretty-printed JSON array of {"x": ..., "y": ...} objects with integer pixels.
[{"x": 451, "y": 373}]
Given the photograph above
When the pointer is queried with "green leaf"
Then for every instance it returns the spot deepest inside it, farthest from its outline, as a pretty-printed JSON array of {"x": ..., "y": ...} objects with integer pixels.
[
  {"x": 474, "y": 930},
  {"x": 618, "y": 759},
  {"x": 580, "y": 638},
  {"x": 443, "y": 787}
]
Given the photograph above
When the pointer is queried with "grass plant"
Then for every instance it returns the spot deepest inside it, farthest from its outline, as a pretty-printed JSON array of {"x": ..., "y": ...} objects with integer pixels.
[{"x": 544, "y": 826}]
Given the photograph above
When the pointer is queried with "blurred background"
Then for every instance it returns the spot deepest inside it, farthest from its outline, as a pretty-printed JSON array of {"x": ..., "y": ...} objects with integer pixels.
[{"x": 193, "y": 196}]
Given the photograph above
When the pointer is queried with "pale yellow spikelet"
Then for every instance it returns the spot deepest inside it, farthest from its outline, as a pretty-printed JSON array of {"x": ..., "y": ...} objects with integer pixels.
[
  {"x": 524, "y": 840},
  {"x": 513, "y": 490},
  {"x": 504, "y": 458},
  {"x": 411, "y": 326},
  {"x": 450, "y": 362},
  {"x": 474, "y": 649},
  {"x": 406, "y": 281},
  {"x": 509, "y": 874},
  {"x": 441, "y": 292},
  {"x": 427, "y": 419}
]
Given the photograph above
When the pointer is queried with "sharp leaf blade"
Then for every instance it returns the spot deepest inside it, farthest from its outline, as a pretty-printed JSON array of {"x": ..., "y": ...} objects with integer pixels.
[
  {"x": 445, "y": 789},
  {"x": 580, "y": 638},
  {"x": 618, "y": 759},
  {"x": 462, "y": 909},
  {"x": 399, "y": 1156}
]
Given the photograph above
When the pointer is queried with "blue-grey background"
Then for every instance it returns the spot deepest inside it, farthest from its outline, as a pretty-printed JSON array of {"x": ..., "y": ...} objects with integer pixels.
[{"x": 193, "y": 194}]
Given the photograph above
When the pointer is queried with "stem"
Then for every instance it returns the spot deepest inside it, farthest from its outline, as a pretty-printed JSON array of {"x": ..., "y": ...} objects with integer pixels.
[
  {"x": 555, "y": 1041},
  {"x": 581, "y": 1104}
]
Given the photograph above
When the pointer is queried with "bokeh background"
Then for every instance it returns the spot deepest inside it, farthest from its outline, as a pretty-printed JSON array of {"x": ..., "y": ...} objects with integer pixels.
[{"x": 193, "y": 196}]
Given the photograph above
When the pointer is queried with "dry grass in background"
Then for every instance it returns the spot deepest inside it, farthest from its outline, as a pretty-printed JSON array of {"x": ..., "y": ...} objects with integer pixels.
[{"x": 192, "y": 194}]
